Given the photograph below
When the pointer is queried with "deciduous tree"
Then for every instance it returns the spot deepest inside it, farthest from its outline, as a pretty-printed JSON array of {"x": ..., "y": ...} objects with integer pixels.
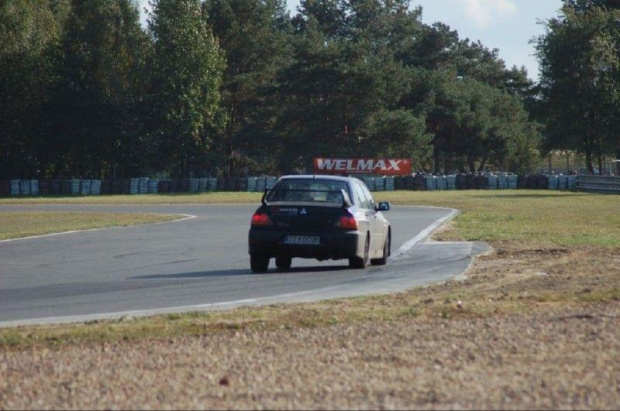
[{"x": 186, "y": 80}]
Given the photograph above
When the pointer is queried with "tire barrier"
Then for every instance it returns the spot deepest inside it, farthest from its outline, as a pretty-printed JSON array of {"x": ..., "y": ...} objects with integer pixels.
[
  {"x": 461, "y": 182},
  {"x": 512, "y": 182},
  {"x": 153, "y": 185},
  {"x": 419, "y": 182},
  {"x": 470, "y": 181},
  {"x": 554, "y": 182},
  {"x": 481, "y": 182},
  {"x": 530, "y": 182},
  {"x": 5, "y": 188},
  {"x": 451, "y": 182},
  {"x": 115, "y": 187},
  {"x": 24, "y": 187},
  {"x": 442, "y": 183},
  {"x": 399, "y": 183},
  {"x": 44, "y": 187},
  {"x": 143, "y": 185},
  {"x": 85, "y": 187},
  {"x": 230, "y": 184},
  {"x": 492, "y": 182},
  {"x": 95, "y": 187},
  {"x": 105, "y": 187},
  {"x": 542, "y": 182},
  {"x": 572, "y": 182},
  {"x": 379, "y": 184},
  {"x": 409, "y": 182},
  {"x": 134, "y": 186},
  {"x": 55, "y": 187},
  {"x": 194, "y": 185},
  {"x": 431, "y": 182},
  {"x": 15, "y": 187},
  {"x": 502, "y": 182},
  {"x": 252, "y": 183},
  {"x": 261, "y": 185},
  {"x": 221, "y": 184}
]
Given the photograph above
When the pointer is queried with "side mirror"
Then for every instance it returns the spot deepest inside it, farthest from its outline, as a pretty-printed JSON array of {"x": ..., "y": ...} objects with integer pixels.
[{"x": 383, "y": 206}]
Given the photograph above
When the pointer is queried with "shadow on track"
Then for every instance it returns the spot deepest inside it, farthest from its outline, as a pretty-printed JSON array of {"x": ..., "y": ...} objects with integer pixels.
[{"x": 230, "y": 273}]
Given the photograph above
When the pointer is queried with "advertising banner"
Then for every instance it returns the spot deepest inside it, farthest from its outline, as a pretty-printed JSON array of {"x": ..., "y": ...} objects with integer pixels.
[{"x": 380, "y": 166}]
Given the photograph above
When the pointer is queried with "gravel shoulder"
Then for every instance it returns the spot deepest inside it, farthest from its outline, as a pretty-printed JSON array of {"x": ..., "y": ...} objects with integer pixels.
[{"x": 549, "y": 358}]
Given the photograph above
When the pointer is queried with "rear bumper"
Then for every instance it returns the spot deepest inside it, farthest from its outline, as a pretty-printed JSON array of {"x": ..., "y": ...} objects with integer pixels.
[{"x": 334, "y": 245}]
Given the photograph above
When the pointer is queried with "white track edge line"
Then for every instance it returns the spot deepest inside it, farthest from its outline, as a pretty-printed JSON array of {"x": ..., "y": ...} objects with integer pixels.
[{"x": 425, "y": 233}]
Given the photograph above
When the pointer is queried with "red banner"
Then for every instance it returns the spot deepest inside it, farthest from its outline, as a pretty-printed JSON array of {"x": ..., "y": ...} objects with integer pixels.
[{"x": 381, "y": 166}]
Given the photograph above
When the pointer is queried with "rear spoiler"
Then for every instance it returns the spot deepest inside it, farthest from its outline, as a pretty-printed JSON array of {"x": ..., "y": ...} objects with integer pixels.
[
  {"x": 264, "y": 197},
  {"x": 346, "y": 203}
]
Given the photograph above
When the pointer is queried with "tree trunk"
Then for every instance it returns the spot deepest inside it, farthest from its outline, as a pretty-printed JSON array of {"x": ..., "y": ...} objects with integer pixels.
[
  {"x": 482, "y": 163},
  {"x": 618, "y": 163},
  {"x": 589, "y": 164},
  {"x": 472, "y": 164}
]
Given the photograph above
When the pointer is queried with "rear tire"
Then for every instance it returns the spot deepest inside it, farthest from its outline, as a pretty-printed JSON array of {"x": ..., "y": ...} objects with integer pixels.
[
  {"x": 284, "y": 263},
  {"x": 259, "y": 263},
  {"x": 386, "y": 252},
  {"x": 357, "y": 262}
]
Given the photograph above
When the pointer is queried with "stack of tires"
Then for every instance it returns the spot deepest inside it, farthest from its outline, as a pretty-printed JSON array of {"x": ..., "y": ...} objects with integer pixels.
[
  {"x": 461, "y": 182},
  {"x": 431, "y": 182},
  {"x": 442, "y": 182},
  {"x": 419, "y": 182},
  {"x": 451, "y": 182},
  {"x": 492, "y": 181}
]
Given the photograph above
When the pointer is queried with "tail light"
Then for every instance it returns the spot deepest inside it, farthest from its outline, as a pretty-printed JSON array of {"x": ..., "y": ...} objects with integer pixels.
[
  {"x": 347, "y": 222},
  {"x": 261, "y": 219}
]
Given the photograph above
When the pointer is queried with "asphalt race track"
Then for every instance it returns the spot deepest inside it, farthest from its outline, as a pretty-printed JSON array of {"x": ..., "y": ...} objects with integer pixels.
[{"x": 198, "y": 263}]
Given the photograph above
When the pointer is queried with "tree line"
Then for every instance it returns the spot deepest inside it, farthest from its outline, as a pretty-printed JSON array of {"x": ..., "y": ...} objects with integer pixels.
[{"x": 234, "y": 87}]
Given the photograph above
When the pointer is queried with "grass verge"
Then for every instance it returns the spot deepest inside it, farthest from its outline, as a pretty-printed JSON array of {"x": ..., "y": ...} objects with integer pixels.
[
  {"x": 31, "y": 223},
  {"x": 148, "y": 199},
  {"x": 552, "y": 249}
]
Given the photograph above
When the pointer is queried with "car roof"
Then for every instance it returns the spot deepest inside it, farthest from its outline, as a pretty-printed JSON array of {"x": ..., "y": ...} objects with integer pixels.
[{"x": 317, "y": 177}]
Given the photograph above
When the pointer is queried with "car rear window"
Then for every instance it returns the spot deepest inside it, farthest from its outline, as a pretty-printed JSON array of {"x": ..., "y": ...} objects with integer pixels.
[{"x": 307, "y": 190}]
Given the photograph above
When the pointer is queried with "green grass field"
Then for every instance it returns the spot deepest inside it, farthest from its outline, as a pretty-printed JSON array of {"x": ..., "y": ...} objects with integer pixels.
[
  {"x": 529, "y": 216},
  {"x": 562, "y": 218},
  {"x": 31, "y": 223},
  {"x": 180, "y": 198}
]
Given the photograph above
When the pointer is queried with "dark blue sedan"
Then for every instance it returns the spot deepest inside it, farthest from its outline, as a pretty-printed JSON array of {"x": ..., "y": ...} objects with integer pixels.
[{"x": 321, "y": 217}]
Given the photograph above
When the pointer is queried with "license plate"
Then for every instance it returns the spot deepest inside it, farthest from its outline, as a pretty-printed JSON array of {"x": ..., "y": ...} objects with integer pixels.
[{"x": 302, "y": 239}]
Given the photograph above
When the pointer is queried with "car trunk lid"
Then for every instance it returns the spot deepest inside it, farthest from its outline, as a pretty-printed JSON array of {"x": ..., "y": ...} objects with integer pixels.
[{"x": 308, "y": 217}]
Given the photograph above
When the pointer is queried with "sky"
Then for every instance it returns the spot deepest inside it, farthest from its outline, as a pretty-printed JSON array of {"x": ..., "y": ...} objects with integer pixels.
[{"x": 507, "y": 25}]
